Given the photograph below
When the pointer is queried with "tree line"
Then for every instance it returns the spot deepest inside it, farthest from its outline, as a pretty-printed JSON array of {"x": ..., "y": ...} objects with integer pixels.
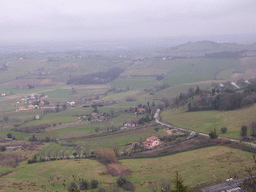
[
  {"x": 97, "y": 77},
  {"x": 223, "y": 100}
]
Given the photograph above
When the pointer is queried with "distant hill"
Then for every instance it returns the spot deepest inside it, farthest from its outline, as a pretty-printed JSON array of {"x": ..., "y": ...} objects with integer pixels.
[
  {"x": 212, "y": 46},
  {"x": 200, "y": 48}
]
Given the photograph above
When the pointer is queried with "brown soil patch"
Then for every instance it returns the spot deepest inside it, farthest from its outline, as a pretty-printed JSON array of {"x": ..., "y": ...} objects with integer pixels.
[
  {"x": 237, "y": 75},
  {"x": 117, "y": 169},
  {"x": 12, "y": 157},
  {"x": 45, "y": 82},
  {"x": 247, "y": 61}
]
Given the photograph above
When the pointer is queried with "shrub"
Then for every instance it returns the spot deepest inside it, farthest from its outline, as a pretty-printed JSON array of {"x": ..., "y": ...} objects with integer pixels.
[
  {"x": 121, "y": 181},
  {"x": 9, "y": 135},
  {"x": 253, "y": 128},
  {"x": 124, "y": 184},
  {"x": 223, "y": 129},
  {"x": 130, "y": 98},
  {"x": 73, "y": 187},
  {"x": 30, "y": 161},
  {"x": 84, "y": 185},
  {"x": 75, "y": 154},
  {"x": 128, "y": 186},
  {"x": 102, "y": 190},
  {"x": 3, "y": 148},
  {"x": 247, "y": 101},
  {"x": 47, "y": 139},
  {"x": 94, "y": 184},
  {"x": 243, "y": 130},
  {"x": 213, "y": 134},
  {"x": 107, "y": 155}
]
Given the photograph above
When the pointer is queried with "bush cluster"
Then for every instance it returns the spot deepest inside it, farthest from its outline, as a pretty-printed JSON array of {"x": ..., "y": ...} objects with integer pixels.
[{"x": 83, "y": 186}]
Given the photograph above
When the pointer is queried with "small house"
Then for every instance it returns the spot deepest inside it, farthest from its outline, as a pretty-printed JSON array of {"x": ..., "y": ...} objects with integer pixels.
[
  {"x": 22, "y": 108},
  {"x": 151, "y": 142},
  {"x": 131, "y": 124},
  {"x": 30, "y": 107},
  {"x": 141, "y": 110},
  {"x": 138, "y": 109},
  {"x": 96, "y": 115},
  {"x": 41, "y": 103},
  {"x": 71, "y": 103}
]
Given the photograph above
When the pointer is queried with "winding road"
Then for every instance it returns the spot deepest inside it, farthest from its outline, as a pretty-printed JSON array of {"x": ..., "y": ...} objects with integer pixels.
[
  {"x": 228, "y": 185},
  {"x": 158, "y": 111}
]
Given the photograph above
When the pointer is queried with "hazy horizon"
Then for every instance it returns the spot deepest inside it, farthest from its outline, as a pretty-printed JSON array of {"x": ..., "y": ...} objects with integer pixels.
[{"x": 42, "y": 21}]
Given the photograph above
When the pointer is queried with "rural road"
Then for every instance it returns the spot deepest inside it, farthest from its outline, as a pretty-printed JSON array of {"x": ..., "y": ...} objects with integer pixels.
[
  {"x": 235, "y": 184},
  {"x": 158, "y": 111},
  {"x": 215, "y": 188}
]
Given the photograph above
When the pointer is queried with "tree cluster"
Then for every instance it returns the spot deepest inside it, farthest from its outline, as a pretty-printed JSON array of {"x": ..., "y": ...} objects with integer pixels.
[
  {"x": 106, "y": 155},
  {"x": 33, "y": 128},
  {"x": 124, "y": 184},
  {"x": 157, "y": 87},
  {"x": 224, "y": 54},
  {"x": 97, "y": 77},
  {"x": 198, "y": 100},
  {"x": 83, "y": 186}
]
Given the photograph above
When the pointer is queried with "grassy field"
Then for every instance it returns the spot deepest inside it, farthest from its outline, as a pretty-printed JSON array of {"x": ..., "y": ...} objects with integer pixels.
[
  {"x": 135, "y": 82},
  {"x": 121, "y": 95},
  {"x": 197, "y": 167},
  {"x": 173, "y": 91},
  {"x": 30, "y": 177},
  {"x": 121, "y": 139},
  {"x": 205, "y": 121}
]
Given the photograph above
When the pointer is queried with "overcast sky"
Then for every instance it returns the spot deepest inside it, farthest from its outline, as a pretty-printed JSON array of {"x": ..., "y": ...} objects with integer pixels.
[{"x": 107, "y": 19}]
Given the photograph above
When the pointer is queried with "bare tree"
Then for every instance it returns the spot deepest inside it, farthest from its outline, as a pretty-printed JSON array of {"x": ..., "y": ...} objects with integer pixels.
[{"x": 116, "y": 149}]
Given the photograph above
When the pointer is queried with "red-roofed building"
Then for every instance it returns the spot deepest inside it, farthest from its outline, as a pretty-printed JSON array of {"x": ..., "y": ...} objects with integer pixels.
[
  {"x": 138, "y": 109},
  {"x": 41, "y": 103},
  {"x": 151, "y": 142},
  {"x": 22, "y": 108},
  {"x": 30, "y": 107}
]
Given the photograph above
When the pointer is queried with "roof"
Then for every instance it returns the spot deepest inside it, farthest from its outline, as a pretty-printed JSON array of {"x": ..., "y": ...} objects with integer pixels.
[
  {"x": 147, "y": 142},
  {"x": 133, "y": 122},
  {"x": 152, "y": 138}
]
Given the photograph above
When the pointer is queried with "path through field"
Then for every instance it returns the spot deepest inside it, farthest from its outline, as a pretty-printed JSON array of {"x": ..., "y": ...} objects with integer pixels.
[{"x": 203, "y": 134}]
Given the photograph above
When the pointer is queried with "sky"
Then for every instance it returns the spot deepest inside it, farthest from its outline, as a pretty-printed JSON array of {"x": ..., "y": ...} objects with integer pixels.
[{"x": 40, "y": 20}]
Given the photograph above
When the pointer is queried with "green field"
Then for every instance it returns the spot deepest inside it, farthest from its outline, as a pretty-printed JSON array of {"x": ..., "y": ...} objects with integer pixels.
[
  {"x": 49, "y": 73},
  {"x": 30, "y": 177},
  {"x": 197, "y": 167},
  {"x": 205, "y": 121},
  {"x": 135, "y": 82},
  {"x": 121, "y": 95},
  {"x": 121, "y": 138}
]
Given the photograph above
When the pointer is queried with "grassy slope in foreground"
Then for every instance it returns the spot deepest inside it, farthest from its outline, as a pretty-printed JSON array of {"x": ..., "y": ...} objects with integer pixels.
[
  {"x": 197, "y": 167},
  {"x": 40, "y": 173},
  {"x": 205, "y": 121}
]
